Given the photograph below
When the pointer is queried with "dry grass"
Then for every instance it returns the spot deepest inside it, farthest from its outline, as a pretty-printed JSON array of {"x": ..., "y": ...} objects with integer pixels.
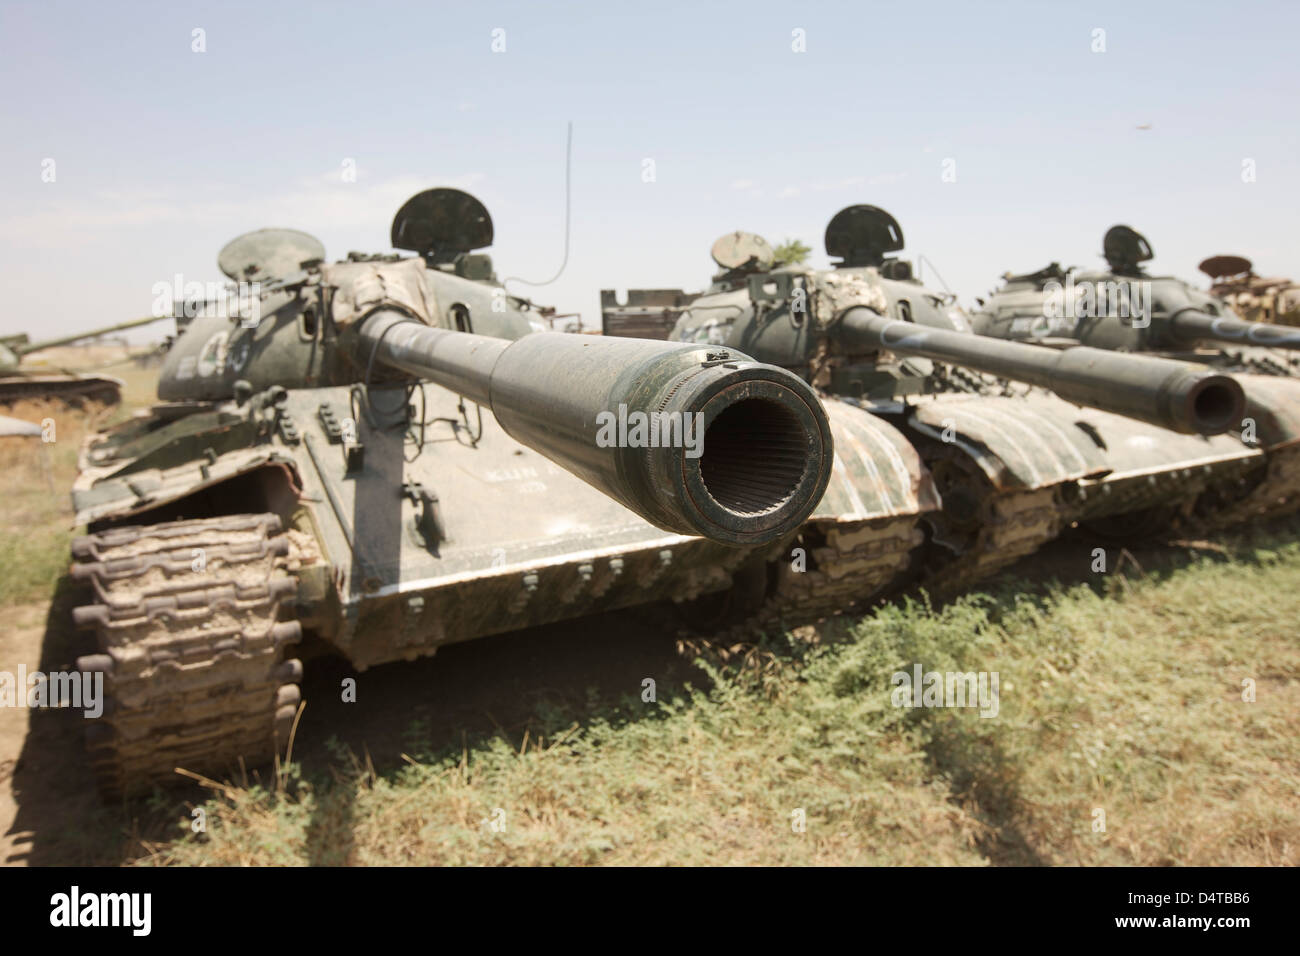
[
  {"x": 36, "y": 521},
  {"x": 35, "y": 476}
]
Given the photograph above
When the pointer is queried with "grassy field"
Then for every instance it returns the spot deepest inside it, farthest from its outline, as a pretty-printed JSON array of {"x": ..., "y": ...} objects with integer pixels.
[
  {"x": 1126, "y": 733},
  {"x": 35, "y": 520},
  {"x": 1122, "y": 705}
]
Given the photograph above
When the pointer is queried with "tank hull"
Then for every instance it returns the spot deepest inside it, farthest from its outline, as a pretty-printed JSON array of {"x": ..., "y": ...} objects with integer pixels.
[{"x": 69, "y": 389}]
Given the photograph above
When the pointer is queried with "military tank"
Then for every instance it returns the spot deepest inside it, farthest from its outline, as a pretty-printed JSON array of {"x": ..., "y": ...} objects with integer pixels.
[
  {"x": 1253, "y": 297},
  {"x": 949, "y": 473},
  {"x": 653, "y": 313},
  {"x": 73, "y": 387},
  {"x": 328, "y": 473},
  {"x": 1123, "y": 308}
]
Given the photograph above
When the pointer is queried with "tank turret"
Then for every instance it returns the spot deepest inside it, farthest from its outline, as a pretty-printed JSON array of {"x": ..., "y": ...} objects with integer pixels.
[
  {"x": 1255, "y": 298},
  {"x": 869, "y": 306},
  {"x": 1123, "y": 308}
]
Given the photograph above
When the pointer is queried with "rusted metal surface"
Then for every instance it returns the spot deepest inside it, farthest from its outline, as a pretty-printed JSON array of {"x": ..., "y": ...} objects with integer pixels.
[
  {"x": 878, "y": 472},
  {"x": 850, "y": 563},
  {"x": 1018, "y": 444},
  {"x": 1255, "y": 298},
  {"x": 71, "y": 389}
]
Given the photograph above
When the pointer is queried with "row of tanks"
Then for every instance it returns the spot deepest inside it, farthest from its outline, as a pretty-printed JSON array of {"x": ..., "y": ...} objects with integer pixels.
[
  {"x": 1152, "y": 483},
  {"x": 804, "y": 442}
]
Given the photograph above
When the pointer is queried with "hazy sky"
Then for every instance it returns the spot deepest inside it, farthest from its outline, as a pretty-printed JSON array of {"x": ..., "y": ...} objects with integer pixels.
[{"x": 161, "y": 154}]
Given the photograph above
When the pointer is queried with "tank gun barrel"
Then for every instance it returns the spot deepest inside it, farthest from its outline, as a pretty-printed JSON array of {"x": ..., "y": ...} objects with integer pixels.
[
  {"x": 1192, "y": 324},
  {"x": 1163, "y": 392},
  {"x": 695, "y": 440},
  {"x": 29, "y": 347}
]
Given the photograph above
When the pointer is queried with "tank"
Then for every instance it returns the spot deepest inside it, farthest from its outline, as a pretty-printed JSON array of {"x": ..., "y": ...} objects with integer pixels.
[
  {"x": 18, "y": 383},
  {"x": 391, "y": 459},
  {"x": 652, "y": 313},
  {"x": 1254, "y": 298},
  {"x": 1123, "y": 308},
  {"x": 946, "y": 471},
  {"x": 647, "y": 313}
]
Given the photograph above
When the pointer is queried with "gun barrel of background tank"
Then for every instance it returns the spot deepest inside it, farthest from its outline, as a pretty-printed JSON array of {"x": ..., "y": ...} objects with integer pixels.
[
  {"x": 1192, "y": 324},
  {"x": 744, "y": 449},
  {"x": 1170, "y": 394},
  {"x": 92, "y": 334}
]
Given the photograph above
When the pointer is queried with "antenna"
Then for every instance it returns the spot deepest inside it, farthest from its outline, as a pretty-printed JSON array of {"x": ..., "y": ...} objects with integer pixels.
[
  {"x": 568, "y": 171},
  {"x": 920, "y": 258}
]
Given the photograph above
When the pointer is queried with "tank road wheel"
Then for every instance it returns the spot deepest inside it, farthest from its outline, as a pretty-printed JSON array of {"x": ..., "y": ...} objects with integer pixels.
[
  {"x": 981, "y": 529},
  {"x": 965, "y": 493},
  {"x": 188, "y": 619}
]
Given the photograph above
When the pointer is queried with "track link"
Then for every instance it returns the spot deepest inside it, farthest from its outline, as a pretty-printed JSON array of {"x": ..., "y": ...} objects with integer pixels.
[
  {"x": 1016, "y": 524},
  {"x": 982, "y": 529},
  {"x": 188, "y": 619},
  {"x": 848, "y": 563}
]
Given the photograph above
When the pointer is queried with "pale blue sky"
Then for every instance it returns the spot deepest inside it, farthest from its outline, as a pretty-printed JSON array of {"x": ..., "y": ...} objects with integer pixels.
[{"x": 163, "y": 154}]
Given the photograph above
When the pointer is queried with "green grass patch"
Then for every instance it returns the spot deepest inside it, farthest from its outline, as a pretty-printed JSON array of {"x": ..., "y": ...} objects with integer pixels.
[{"x": 1123, "y": 704}]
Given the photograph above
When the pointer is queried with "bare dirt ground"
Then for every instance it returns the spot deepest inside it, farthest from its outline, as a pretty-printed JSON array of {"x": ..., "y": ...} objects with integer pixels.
[{"x": 42, "y": 784}]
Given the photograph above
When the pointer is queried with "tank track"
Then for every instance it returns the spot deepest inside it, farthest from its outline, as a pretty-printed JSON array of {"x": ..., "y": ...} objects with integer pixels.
[
  {"x": 188, "y": 619},
  {"x": 852, "y": 563},
  {"x": 73, "y": 391},
  {"x": 1016, "y": 524},
  {"x": 998, "y": 528},
  {"x": 1276, "y": 494},
  {"x": 848, "y": 563}
]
